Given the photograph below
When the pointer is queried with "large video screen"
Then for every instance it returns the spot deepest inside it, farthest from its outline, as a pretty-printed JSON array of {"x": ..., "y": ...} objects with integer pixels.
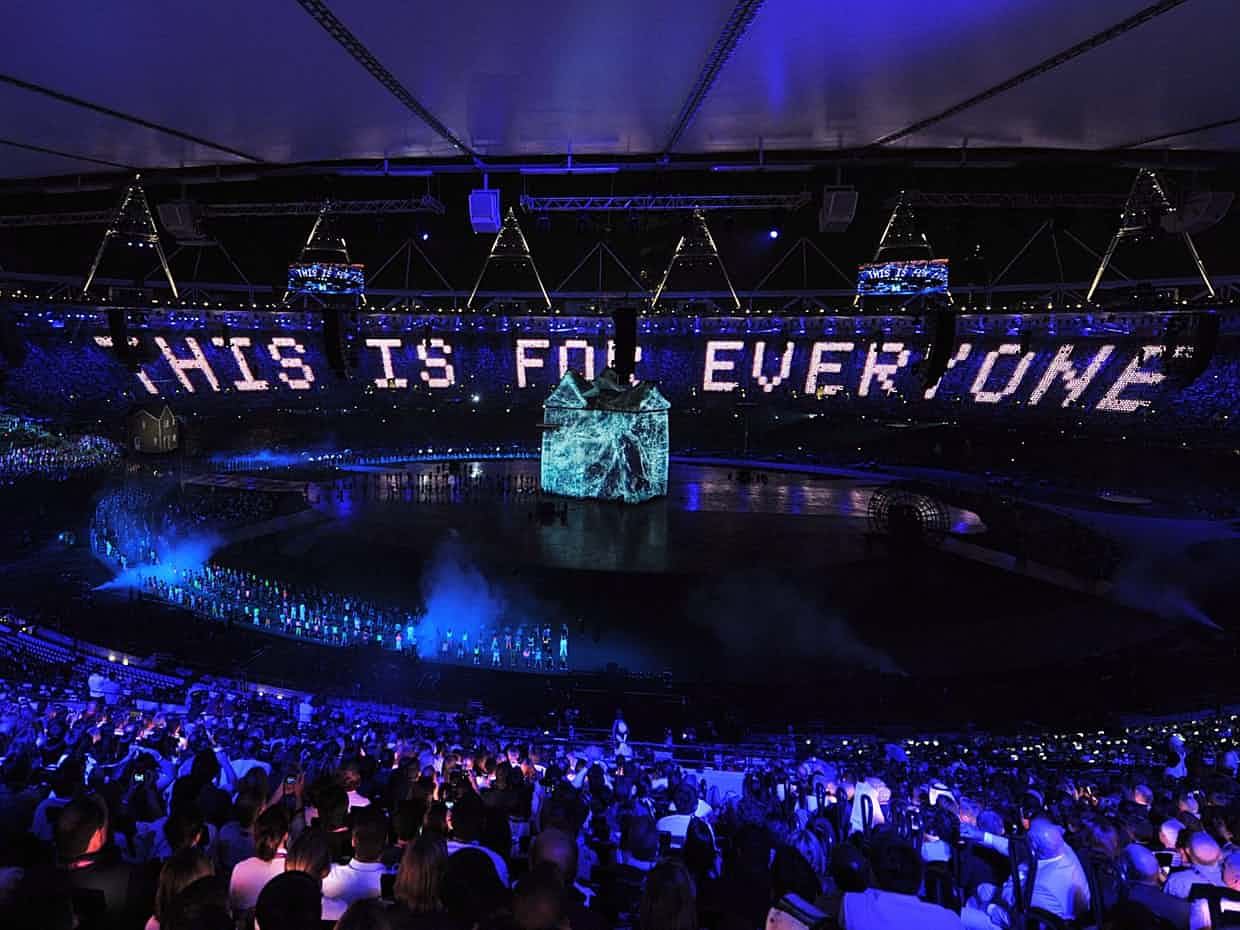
[
  {"x": 902, "y": 279},
  {"x": 326, "y": 278}
]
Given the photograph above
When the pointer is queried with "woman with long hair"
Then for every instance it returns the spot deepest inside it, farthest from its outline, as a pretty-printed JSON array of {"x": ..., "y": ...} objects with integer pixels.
[
  {"x": 181, "y": 870},
  {"x": 670, "y": 900},
  {"x": 418, "y": 880},
  {"x": 312, "y": 854},
  {"x": 699, "y": 852}
]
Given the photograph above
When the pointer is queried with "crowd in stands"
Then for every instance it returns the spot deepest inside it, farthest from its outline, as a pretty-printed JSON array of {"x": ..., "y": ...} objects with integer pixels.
[
  {"x": 444, "y": 484},
  {"x": 28, "y": 450},
  {"x": 199, "y": 510},
  {"x": 234, "y": 809}
]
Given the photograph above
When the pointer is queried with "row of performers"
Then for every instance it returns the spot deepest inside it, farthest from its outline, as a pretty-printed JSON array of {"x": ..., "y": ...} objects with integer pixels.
[{"x": 531, "y": 648}]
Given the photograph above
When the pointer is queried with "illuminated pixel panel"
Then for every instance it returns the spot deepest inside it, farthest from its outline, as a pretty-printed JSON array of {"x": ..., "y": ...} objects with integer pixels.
[
  {"x": 902, "y": 279},
  {"x": 609, "y": 445},
  {"x": 1087, "y": 369},
  {"x": 326, "y": 278}
]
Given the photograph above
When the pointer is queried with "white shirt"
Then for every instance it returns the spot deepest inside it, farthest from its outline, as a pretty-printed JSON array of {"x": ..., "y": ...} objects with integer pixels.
[
  {"x": 1059, "y": 886},
  {"x": 856, "y": 822},
  {"x": 501, "y": 867},
  {"x": 41, "y": 825},
  {"x": 886, "y": 910},
  {"x": 354, "y": 881},
  {"x": 1231, "y": 760},
  {"x": 1181, "y": 883},
  {"x": 333, "y": 909},
  {"x": 678, "y": 825},
  {"x": 241, "y": 766},
  {"x": 249, "y": 878},
  {"x": 356, "y": 800}
]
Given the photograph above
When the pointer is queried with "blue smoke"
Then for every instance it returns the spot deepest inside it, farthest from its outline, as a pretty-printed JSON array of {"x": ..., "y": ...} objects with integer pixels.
[
  {"x": 175, "y": 556},
  {"x": 1158, "y": 589},
  {"x": 263, "y": 459},
  {"x": 458, "y": 598}
]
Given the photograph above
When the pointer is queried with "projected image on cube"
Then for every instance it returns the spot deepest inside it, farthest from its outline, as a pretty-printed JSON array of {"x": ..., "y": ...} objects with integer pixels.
[{"x": 605, "y": 440}]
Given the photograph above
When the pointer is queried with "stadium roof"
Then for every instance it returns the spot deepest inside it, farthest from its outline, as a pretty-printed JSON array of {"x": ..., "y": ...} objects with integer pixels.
[{"x": 96, "y": 87}]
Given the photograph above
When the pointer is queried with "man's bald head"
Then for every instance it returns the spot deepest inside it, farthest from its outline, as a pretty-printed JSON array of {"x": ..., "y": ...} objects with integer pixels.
[
  {"x": 558, "y": 848},
  {"x": 1169, "y": 833},
  {"x": 1231, "y": 871},
  {"x": 1203, "y": 850},
  {"x": 1140, "y": 864},
  {"x": 1046, "y": 838}
]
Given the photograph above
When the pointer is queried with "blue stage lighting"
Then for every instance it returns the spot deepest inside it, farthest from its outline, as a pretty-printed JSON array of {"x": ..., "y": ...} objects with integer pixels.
[
  {"x": 425, "y": 236},
  {"x": 773, "y": 234}
]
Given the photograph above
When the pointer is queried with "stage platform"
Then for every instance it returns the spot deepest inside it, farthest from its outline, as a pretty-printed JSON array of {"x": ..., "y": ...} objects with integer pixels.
[{"x": 741, "y": 572}]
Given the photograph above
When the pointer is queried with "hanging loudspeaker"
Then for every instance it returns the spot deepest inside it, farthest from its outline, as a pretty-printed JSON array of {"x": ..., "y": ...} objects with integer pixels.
[
  {"x": 1190, "y": 344},
  {"x": 939, "y": 352},
  {"x": 12, "y": 345},
  {"x": 334, "y": 342},
  {"x": 118, "y": 329},
  {"x": 625, "y": 319}
]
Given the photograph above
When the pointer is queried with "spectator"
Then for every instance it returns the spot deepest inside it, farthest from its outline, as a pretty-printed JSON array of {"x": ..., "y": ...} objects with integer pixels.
[
  {"x": 291, "y": 901},
  {"x": 201, "y": 905},
  {"x": 235, "y": 841},
  {"x": 1169, "y": 841},
  {"x": 365, "y": 914},
  {"x": 471, "y": 889},
  {"x": 684, "y": 805},
  {"x": 669, "y": 901},
  {"x": 417, "y": 885},
  {"x": 312, "y": 854},
  {"x": 66, "y": 784},
  {"x": 178, "y": 872},
  {"x": 558, "y": 849},
  {"x": 351, "y": 780},
  {"x": 1142, "y": 888},
  {"x": 699, "y": 853},
  {"x": 807, "y": 843},
  {"x": 467, "y": 822},
  {"x": 894, "y": 904},
  {"x": 538, "y": 901},
  {"x": 1203, "y": 867},
  {"x": 359, "y": 878},
  {"x": 250, "y": 875},
  {"x": 791, "y": 874},
  {"x": 621, "y": 889},
  {"x": 332, "y": 807},
  {"x": 1231, "y": 871},
  {"x": 1059, "y": 885}
]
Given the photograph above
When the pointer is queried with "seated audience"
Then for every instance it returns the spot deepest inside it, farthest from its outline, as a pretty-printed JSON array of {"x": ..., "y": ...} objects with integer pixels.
[
  {"x": 250, "y": 875},
  {"x": 1203, "y": 867},
  {"x": 359, "y": 877},
  {"x": 894, "y": 903},
  {"x": 180, "y": 871}
]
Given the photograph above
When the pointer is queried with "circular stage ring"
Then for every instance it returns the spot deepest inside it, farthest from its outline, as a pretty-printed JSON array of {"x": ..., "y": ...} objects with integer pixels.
[{"x": 907, "y": 514}]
